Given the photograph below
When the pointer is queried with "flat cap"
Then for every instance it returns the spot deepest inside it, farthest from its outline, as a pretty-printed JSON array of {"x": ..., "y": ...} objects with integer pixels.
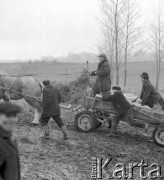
[
  {"x": 102, "y": 55},
  {"x": 116, "y": 88},
  {"x": 144, "y": 75},
  {"x": 46, "y": 82},
  {"x": 9, "y": 108}
]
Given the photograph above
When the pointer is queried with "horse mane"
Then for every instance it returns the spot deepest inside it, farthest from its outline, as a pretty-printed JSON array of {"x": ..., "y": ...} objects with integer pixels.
[{"x": 40, "y": 84}]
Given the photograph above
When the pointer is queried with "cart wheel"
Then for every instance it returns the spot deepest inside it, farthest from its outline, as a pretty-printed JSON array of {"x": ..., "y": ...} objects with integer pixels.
[
  {"x": 86, "y": 121},
  {"x": 158, "y": 136}
]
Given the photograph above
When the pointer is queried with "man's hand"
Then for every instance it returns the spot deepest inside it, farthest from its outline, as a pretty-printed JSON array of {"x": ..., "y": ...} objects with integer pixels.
[
  {"x": 93, "y": 73},
  {"x": 98, "y": 96}
]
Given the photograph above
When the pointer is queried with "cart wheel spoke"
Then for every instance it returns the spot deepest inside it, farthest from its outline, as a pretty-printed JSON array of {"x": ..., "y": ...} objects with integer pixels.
[{"x": 86, "y": 121}]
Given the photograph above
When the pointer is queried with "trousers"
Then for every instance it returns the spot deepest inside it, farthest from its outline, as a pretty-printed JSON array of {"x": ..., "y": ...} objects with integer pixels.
[{"x": 127, "y": 117}]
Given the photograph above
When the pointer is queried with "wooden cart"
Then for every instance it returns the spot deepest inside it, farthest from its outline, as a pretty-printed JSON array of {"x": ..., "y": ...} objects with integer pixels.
[{"x": 95, "y": 111}]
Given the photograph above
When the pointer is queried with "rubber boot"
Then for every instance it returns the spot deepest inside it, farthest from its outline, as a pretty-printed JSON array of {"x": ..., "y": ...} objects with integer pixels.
[
  {"x": 65, "y": 133},
  {"x": 113, "y": 130},
  {"x": 46, "y": 132}
]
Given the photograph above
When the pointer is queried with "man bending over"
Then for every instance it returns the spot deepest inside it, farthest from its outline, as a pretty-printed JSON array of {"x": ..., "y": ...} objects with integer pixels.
[{"x": 124, "y": 110}]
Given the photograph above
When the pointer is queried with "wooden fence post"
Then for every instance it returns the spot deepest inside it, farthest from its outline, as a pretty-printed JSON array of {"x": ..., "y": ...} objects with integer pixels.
[{"x": 87, "y": 66}]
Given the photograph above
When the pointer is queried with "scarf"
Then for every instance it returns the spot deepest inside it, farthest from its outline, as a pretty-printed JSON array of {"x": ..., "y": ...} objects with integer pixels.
[{"x": 101, "y": 63}]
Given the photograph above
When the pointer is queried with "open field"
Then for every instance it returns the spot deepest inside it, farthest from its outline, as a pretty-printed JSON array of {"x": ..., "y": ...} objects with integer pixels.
[
  {"x": 57, "y": 71},
  {"x": 56, "y": 159}
]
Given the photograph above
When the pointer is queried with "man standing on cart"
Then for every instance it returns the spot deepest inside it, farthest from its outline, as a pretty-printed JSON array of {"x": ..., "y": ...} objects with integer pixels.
[
  {"x": 103, "y": 81},
  {"x": 149, "y": 94}
]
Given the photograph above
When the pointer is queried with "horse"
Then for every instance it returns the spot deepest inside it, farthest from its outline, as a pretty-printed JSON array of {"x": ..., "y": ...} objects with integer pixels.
[{"x": 22, "y": 87}]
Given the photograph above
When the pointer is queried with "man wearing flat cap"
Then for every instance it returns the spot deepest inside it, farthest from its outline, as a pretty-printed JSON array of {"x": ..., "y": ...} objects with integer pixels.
[
  {"x": 9, "y": 157},
  {"x": 149, "y": 95},
  {"x": 103, "y": 81},
  {"x": 51, "y": 108},
  {"x": 123, "y": 109}
]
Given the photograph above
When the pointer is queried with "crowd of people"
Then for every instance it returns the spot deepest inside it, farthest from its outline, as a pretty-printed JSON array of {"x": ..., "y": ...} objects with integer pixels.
[{"x": 9, "y": 157}]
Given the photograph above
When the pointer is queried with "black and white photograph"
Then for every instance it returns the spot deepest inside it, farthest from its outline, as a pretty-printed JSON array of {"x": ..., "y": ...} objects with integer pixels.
[{"x": 81, "y": 89}]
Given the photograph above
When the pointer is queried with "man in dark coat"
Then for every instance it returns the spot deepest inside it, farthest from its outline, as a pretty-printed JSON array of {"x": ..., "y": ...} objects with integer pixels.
[
  {"x": 103, "y": 81},
  {"x": 51, "y": 108},
  {"x": 149, "y": 94},
  {"x": 9, "y": 157},
  {"x": 123, "y": 110}
]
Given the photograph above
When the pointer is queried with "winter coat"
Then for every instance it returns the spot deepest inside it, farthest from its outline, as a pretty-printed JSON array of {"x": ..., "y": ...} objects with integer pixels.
[
  {"x": 103, "y": 81},
  {"x": 150, "y": 95},
  {"x": 9, "y": 157},
  {"x": 51, "y": 101},
  {"x": 119, "y": 101}
]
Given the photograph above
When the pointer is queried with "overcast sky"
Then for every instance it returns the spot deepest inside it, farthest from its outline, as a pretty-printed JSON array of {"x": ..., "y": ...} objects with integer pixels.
[{"x": 35, "y": 28}]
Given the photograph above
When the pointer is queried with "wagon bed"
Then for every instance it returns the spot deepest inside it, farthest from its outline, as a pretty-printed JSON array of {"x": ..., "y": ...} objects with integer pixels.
[
  {"x": 96, "y": 111},
  {"x": 140, "y": 112}
]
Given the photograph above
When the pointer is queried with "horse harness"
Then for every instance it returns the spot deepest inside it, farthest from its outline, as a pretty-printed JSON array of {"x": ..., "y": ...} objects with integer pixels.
[{"x": 11, "y": 90}]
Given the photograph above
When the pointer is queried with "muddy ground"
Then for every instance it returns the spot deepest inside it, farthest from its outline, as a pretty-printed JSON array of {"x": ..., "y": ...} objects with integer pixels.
[{"x": 57, "y": 159}]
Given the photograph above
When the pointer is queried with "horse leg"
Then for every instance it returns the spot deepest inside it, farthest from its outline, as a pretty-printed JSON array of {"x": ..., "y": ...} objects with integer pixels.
[
  {"x": 37, "y": 106},
  {"x": 37, "y": 117}
]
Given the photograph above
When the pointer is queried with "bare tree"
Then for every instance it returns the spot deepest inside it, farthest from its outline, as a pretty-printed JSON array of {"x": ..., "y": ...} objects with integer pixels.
[
  {"x": 111, "y": 22},
  {"x": 157, "y": 40},
  {"x": 131, "y": 29},
  {"x": 120, "y": 29}
]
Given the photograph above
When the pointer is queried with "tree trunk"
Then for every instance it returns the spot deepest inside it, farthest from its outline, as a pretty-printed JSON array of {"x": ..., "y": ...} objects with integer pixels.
[
  {"x": 157, "y": 74},
  {"x": 159, "y": 51},
  {"x": 126, "y": 45},
  {"x": 125, "y": 77},
  {"x": 116, "y": 43},
  {"x": 111, "y": 73},
  {"x": 125, "y": 73},
  {"x": 157, "y": 71},
  {"x": 117, "y": 76},
  {"x": 157, "y": 81}
]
